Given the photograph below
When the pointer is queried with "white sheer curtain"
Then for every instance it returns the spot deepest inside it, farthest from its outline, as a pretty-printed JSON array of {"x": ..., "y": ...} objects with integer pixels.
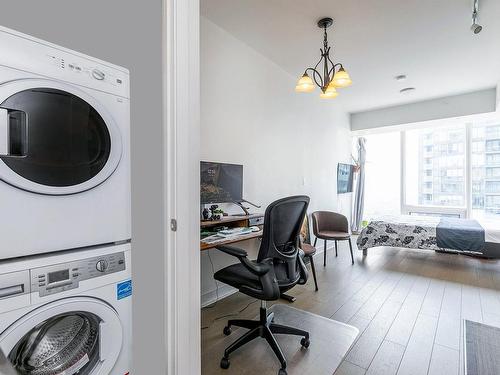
[{"x": 359, "y": 198}]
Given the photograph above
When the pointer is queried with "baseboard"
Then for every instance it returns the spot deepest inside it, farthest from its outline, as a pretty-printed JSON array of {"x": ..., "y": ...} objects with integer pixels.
[{"x": 211, "y": 297}]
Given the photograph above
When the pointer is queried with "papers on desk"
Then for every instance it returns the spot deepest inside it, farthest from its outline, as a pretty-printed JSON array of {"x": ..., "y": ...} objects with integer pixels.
[
  {"x": 234, "y": 232},
  {"x": 226, "y": 234}
]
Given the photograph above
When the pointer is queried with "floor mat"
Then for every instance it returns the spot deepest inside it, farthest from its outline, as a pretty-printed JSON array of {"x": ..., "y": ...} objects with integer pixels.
[
  {"x": 482, "y": 349},
  {"x": 330, "y": 341}
]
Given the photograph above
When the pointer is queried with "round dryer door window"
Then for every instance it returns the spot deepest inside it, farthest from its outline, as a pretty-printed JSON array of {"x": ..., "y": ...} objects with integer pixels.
[
  {"x": 73, "y": 336},
  {"x": 55, "y": 138}
]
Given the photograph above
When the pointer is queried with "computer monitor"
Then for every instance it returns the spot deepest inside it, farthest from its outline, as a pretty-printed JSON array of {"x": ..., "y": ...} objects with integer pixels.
[{"x": 221, "y": 182}]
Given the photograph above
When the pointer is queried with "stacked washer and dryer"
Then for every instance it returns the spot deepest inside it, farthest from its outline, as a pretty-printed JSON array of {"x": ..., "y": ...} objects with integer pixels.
[{"x": 65, "y": 281}]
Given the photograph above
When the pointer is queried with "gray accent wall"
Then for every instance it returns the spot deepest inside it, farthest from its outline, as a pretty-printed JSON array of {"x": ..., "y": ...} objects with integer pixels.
[{"x": 127, "y": 33}]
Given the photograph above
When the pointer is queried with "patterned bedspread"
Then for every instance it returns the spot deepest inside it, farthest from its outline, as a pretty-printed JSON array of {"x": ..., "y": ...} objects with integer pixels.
[{"x": 414, "y": 232}]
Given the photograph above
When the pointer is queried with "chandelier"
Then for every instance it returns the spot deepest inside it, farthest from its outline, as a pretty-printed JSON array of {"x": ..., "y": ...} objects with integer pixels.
[{"x": 330, "y": 76}]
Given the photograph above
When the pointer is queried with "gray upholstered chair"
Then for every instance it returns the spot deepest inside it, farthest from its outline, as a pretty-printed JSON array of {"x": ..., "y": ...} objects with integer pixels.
[{"x": 331, "y": 226}]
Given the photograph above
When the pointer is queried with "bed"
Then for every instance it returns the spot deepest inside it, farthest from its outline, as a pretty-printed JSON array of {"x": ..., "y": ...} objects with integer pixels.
[{"x": 433, "y": 233}]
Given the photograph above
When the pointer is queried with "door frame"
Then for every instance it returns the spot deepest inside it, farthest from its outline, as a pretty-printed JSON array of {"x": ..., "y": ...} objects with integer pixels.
[{"x": 181, "y": 157}]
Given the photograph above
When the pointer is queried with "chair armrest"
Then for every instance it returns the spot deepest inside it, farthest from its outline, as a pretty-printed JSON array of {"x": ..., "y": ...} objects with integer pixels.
[
  {"x": 259, "y": 269},
  {"x": 232, "y": 250}
]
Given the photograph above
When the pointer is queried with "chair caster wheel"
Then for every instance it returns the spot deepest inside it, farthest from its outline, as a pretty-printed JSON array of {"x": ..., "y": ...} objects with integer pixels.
[
  {"x": 282, "y": 371},
  {"x": 305, "y": 342},
  {"x": 227, "y": 330},
  {"x": 224, "y": 363}
]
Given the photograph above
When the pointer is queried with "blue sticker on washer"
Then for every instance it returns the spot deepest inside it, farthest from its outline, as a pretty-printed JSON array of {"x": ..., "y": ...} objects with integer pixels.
[{"x": 124, "y": 289}]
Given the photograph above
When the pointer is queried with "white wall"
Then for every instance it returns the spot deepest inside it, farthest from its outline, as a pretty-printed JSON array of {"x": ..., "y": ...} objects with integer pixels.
[
  {"x": 472, "y": 103},
  {"x": 127, "y": 33},
  {"x": 289, "y": 143}
]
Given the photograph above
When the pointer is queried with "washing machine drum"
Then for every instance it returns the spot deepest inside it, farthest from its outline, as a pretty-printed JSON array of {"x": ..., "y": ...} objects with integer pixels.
[{"x": 66, "y": 344}]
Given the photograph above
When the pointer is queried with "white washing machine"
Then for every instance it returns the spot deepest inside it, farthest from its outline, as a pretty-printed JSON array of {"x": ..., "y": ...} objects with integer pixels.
[
  {"x": 68, "y": 313},
  {"x": 64, "y": 148}
]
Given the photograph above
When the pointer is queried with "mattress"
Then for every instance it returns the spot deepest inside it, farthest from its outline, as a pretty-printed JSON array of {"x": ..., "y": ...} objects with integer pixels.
[
  {"x": 414, "y": 232},
  {"x": 491, "y": 230}
]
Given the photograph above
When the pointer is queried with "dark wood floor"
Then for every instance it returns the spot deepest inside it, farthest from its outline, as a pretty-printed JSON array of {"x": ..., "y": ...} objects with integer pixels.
[{"x": 408, "y": 305}]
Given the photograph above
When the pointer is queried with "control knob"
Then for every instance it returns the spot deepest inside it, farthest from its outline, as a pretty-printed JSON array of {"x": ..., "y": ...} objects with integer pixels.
[
  {"x": 97, "y": 74},
  {"x": 101, "y": 265}
]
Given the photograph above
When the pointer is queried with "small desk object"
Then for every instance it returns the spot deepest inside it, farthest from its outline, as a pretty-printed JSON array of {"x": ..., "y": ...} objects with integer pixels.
[{"x": 233, "y": 221}]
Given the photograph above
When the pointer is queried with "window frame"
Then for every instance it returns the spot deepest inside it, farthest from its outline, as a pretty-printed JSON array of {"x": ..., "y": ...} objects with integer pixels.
[{"x": 459, "y": 211}]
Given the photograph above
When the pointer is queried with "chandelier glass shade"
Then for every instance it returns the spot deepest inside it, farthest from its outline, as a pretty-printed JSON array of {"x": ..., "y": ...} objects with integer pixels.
[{"x": 327, "y": 75}]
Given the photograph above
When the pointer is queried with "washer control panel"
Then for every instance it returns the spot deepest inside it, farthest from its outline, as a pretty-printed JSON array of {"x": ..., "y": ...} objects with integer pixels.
[{"x": 61, "y": 277}]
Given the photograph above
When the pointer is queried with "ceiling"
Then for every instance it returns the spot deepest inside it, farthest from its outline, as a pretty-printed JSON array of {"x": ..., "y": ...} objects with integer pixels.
[{"x": 428, "y": 40}]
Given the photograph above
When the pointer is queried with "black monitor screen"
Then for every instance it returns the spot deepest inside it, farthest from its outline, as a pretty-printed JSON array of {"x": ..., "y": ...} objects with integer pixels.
[
  {"x": 221, "y": 183},
  {"x": 345, "y": 176}
]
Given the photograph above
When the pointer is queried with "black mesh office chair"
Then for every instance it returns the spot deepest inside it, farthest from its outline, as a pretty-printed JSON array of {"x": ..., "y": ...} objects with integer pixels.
[{"x": 278, "y": 268}]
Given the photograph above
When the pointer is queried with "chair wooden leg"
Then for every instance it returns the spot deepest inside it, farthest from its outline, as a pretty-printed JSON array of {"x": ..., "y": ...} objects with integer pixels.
[
  {"x": 336, "y": 253},
  {"x": 313, "y": 269},
  {"x": 350, "y": 247},
  {"x": 324, "y": 255}
]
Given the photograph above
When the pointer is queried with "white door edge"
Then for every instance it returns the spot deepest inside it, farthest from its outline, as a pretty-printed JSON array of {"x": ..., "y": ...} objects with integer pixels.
[{"x": 181, "y": 113}]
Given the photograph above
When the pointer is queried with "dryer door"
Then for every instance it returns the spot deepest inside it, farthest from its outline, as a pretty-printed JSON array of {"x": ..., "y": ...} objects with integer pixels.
[
  {"x": 54, "y": 138},
  {"x": 71, "y": 336}
]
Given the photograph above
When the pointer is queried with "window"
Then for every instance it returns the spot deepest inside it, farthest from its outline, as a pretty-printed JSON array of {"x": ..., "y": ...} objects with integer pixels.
[
  {"x": 492, "y": 145},
  {"x": 492, "y": 172},
  {"x": 383, "y": 164},
  {"x": 435, "y": 176},
  {"x": 492, "y": 131},
  {"x": 486, "y": 172},
  {"x": 446, "y": 164},
  {"x": 493, "y": 159},
  {"x": 492, "y": 186}
]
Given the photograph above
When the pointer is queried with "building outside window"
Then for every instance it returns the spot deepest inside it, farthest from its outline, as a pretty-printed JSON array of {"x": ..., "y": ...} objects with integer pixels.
[
  {"x": 435, "y": 170},
  {"x": 486, "y": 170},
  {"x": 445, "y": 163}
]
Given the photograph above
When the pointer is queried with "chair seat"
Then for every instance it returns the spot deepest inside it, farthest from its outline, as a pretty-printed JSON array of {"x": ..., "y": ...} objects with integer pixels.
[
  {"x": 237, "y": 275},
  {"x": 333, "y": 235},
  {"x": 308, "y": 249}
]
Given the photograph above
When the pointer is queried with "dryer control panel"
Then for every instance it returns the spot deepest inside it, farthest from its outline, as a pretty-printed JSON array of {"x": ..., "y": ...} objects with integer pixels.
[
  {"x": 61, "y": 277},
  {"x": 23, "y": 52}
]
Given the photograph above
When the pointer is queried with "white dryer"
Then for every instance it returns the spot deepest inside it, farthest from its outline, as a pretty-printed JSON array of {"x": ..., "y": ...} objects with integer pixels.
[
  {"x": 68, "y": 313},
  {"x": 64, "y": 148}
]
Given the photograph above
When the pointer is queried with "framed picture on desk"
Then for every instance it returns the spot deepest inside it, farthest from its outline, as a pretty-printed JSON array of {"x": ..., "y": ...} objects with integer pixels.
[{"x": 305, "y": 234}]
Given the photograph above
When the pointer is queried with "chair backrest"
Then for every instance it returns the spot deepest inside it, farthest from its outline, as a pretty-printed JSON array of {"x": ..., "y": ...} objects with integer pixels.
[
  {"x": 282, "y": 223},
  {"x": 329, "y": 221}
]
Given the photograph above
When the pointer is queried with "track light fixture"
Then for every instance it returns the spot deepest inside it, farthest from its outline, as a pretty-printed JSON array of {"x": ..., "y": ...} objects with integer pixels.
[{"x": 475, "y": 27}]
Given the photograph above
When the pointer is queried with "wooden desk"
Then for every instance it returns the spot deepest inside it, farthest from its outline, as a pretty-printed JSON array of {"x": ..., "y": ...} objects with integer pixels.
[{"x": 232, "y": 222}]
